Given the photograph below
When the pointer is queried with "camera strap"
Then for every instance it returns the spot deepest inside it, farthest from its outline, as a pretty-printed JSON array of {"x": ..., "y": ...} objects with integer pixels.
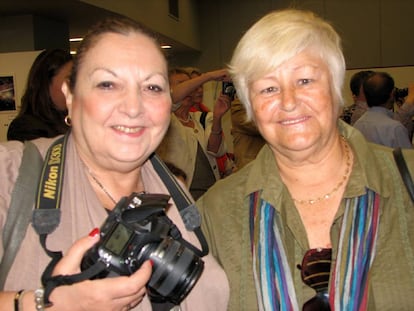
[
  {"x": 188, "y": 210},
  {"x": 46, "y": 217}
]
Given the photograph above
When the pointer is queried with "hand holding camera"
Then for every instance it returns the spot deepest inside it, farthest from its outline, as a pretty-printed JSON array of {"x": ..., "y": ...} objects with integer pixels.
[
  {"x": 228, "y": 89},
  {"x": 137, "y": 230}
]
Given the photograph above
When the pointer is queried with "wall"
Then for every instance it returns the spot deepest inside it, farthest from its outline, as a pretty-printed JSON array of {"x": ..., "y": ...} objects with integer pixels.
[
  {"x": 154, "y": 14},
  {"x": 375, "y": 33},
  {"x": 32, "y": 32},
  {"x": 17, "y": 65}
]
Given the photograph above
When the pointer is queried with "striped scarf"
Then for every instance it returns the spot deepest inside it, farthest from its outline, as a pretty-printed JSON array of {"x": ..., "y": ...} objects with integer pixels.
[{"x": 350, "y": 275}]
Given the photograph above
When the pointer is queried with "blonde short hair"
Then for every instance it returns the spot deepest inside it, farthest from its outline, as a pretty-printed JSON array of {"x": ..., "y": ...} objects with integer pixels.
[{"x": 276, "y": 38}]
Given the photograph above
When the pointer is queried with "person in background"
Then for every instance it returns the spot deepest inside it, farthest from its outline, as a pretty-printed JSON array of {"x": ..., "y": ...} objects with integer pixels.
[
  {"x": 198, "y": 94},
  {"x": 183, "y": 89},
  {"x": 357, "y": 109},
  {"x": 43, "y": 106},
  {"x": 377, "y": 123},
  {"x": 247, "y": 140},
  {"x": 405, "y": 106},
  {"x": 313, "y": 222},
  {"x": 119, "y": 107},
  {"x": 225, "y": 162},
  {"x": 190, "y": 145}
]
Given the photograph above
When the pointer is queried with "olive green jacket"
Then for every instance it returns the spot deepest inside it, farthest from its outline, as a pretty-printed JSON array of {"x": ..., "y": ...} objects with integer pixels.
[
  {"x": 225, "y": 212},
  {"x": 247, "y": 140}
]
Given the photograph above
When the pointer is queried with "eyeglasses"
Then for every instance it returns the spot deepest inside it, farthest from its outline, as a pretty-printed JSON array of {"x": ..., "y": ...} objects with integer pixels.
[{"x": 315, "y": 271}]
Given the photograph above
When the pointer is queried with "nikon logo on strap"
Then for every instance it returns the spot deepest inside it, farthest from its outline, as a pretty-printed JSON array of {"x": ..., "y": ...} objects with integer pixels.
[
  {"x": 46, "y": 215},
  {"x": 52, "y": 173}
]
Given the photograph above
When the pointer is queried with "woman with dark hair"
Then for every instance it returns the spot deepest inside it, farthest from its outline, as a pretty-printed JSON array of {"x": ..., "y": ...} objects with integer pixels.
[
  {"x": 43, "y": 107},
  {"x": 119, "y": 108}
]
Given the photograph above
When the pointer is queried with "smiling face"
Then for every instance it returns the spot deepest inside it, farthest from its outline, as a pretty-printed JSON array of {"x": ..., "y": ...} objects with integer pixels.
[
  {"x": 120, "y": 104},
  {"x": 293, "y": 106}
]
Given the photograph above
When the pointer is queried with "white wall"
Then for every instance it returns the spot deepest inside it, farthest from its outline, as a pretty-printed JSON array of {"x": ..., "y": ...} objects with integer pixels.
[{"x": 17, "y": 65}]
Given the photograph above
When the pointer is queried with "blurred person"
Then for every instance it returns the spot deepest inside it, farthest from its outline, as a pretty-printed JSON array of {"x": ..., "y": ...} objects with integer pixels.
[
  {"x": 183, "y": 89},
  {"x": 377, "y": 123},
  {"x": 405, "y": 106},
  {"x": 191, "y": 146},
  {"x": 357, "y": 109},
  {"x": 198, "y": 94},
  {"x": 225, "y": 162},
  {"x": 119, "y": 107},
  {"x": 313, "y": 222},
  {"x": 43, "y": 106}
]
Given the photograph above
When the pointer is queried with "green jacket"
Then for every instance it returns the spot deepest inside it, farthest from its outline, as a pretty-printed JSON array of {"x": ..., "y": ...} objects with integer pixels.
[{"x": 225, "y": 212}]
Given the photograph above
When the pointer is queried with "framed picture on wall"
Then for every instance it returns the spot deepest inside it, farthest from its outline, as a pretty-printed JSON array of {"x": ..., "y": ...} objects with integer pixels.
[{"x": 7, "y": 93}]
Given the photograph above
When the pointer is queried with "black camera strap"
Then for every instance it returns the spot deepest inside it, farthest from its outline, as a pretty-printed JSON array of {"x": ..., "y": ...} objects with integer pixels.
[
  {"x": 188, "y": 210},
  {"x": 46, "y": 217}
]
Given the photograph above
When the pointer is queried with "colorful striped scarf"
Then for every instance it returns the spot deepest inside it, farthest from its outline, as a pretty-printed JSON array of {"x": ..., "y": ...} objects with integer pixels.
[{"x": 350, "y": 276}]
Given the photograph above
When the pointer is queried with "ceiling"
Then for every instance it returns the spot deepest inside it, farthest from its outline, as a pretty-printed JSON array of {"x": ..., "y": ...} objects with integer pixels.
[{"x": 78, "y": 15}]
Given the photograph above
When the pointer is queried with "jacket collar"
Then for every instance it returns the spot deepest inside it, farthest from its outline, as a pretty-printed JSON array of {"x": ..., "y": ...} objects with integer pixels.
[{"x": 367, "y": 172}]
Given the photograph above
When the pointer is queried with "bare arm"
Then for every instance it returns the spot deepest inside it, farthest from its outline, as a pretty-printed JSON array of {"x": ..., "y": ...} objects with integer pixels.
[
  {"x": 221, "y": 106},
  {"x": 180, "y": 91}
]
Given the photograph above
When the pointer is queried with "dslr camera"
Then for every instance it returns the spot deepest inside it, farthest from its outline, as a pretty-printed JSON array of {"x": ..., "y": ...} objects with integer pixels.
[
  {"x": 138, "y": 229},
  {"x": 399, "y": 94},
  {"x": 229, "y": 89}
]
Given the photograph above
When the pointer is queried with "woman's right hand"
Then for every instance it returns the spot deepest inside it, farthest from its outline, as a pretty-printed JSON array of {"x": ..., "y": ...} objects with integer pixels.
[{"x": 113, "y": 293}]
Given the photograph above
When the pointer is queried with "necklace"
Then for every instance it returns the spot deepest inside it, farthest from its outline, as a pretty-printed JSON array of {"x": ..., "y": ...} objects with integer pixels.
[
  {"x": 340, "y": 183},
  {"x": 187, "y": 120},
  {"x": 101, "y": 186}
]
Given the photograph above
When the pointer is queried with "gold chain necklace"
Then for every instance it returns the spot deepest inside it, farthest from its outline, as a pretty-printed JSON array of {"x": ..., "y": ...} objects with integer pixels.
[{"x": 340, "y": 183}]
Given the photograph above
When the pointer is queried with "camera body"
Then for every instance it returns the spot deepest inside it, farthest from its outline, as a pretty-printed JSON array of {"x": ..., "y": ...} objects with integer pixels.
[
  {"x": 137, "y": 230},
  {"x": 399, "y": 94},
  {"x": 229, "y": 89}
]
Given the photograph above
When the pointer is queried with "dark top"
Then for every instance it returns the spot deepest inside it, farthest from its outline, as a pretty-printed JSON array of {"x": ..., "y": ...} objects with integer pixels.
[{"x": 28, "y": 127}]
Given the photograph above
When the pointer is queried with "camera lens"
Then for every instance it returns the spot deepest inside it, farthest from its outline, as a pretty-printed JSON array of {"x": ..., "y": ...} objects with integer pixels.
[{"x": 175, "y": 272}]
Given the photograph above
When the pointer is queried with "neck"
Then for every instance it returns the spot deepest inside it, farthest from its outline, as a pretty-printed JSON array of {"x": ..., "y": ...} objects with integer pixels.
[
  {"x": 321, "y": 179},
  {"x": 182, "y": 112},
  {"x": 111, "y": 186}
]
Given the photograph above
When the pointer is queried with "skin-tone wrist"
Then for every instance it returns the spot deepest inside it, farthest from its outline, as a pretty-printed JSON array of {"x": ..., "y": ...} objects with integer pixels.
[{"x": 28, "y": 301}]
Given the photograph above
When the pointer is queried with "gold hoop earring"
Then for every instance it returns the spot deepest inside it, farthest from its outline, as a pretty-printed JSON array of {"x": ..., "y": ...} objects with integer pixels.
[{"x": 68, "y": 121}]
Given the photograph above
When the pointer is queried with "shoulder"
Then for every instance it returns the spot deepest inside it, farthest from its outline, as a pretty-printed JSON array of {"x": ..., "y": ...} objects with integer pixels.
[
  {"x": 409, "y": 159},
  {"x": 10, "y": 158},
  {"x": 27, "y": 127},
  {"x": 226, "y": 198},
  {"x": 11, "y": 153}
]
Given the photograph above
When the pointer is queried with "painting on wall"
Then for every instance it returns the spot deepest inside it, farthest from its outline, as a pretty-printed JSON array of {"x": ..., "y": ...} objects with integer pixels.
[{"x": 7, "y": 94}]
